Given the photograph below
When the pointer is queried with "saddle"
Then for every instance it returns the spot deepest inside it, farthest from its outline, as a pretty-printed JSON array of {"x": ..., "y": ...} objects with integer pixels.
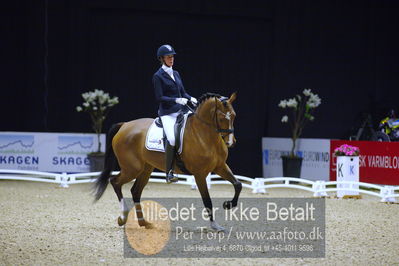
[
  {"x": 156, "y": 138},
  {"x": 179, "y": 130}
]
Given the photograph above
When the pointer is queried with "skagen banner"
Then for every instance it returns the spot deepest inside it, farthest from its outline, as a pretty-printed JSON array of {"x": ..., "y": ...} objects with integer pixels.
[
  {"x": 315, "y": 154},
  {"x": 53, "y": 152},
  {"x": 256, "y": 228}
]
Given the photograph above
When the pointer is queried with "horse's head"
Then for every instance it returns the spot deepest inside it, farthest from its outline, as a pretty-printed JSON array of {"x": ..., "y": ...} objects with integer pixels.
[
  {"x": 225, "y": 116},
  {"x": 221, "y": 116}
]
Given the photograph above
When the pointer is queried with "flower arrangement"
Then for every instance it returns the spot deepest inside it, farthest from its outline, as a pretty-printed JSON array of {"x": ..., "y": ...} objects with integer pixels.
[
  {"x": 302, "y": 111},
  {"x": 97, "y": 104},
  {"x": 347, "y": 150}
]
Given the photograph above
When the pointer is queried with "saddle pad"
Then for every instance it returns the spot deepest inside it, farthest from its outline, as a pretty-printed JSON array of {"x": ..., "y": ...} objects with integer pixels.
[{"x": 154, "y": 139}]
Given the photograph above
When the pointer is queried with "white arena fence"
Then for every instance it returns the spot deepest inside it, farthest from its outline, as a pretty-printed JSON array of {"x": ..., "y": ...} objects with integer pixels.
[{"x": 257, "y": 185}]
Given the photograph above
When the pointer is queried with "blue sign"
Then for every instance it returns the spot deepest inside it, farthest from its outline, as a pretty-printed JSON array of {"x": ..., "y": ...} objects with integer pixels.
[
  {"x": 18, "y": 151},
  {"x": 266, "y": 156},
  {"x": 16, "y": 143},
  {"x": 75, "y": 144}
]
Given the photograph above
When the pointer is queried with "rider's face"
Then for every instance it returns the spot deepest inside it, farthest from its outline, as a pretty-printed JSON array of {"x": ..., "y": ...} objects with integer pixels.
[{"x": 168, "y": 60}]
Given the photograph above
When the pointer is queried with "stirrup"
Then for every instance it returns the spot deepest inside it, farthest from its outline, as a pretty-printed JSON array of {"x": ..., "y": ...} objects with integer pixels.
[{"x": 170, "y": 178}]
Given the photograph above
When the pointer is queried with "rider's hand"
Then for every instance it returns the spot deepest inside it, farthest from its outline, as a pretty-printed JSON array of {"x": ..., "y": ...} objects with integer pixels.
[
  {"x": 193, "y": 100},
  {"x": 182, "y": 101}
]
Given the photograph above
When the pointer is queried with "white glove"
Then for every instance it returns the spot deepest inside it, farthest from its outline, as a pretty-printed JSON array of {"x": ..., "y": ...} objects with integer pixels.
[
  {"x": 193, "y": 100},
  {"x": 182, "y": 101}
]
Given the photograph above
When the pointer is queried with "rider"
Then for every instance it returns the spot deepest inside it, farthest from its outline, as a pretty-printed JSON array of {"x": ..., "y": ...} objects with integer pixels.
[{"x": 172, "y": 98}]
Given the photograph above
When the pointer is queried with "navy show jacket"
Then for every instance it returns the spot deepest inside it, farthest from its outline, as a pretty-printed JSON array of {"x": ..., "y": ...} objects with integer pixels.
[{"x": 167, "y": 90}]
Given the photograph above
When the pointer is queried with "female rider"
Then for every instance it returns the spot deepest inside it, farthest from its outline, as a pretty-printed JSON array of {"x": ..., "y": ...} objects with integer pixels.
[{"x": 172, "y": 98}]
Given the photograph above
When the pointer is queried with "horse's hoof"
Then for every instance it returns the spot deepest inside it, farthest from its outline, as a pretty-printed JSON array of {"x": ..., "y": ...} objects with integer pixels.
[
  {"x": 216, "y": 227},
  {"x": 147, "y": 225},
  {"x": 227, "y": 205},
  {"x": 121, "y": 221}
]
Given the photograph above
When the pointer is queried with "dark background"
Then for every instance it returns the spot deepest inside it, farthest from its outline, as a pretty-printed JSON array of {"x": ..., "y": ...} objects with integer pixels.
[{"x": 346, "y": 51}]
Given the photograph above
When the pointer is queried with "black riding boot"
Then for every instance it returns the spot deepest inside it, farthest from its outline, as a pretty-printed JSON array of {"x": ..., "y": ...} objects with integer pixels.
[{"x": 170, "y": 155}]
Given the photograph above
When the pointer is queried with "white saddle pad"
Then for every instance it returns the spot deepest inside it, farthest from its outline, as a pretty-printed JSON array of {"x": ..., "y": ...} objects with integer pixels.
[{"x": 154, "y": 139}]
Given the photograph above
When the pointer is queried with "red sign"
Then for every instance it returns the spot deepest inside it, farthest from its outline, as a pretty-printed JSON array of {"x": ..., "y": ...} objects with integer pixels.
[{"x": 378, "y": 161}]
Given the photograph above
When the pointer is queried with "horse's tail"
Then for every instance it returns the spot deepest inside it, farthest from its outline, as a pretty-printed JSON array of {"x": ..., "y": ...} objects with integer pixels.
[{"x": 110, "y": 163}]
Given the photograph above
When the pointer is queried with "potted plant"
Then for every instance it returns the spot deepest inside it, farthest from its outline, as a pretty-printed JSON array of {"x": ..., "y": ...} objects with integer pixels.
[
  {"x": 302, "y": 108},
  {"x": 347, "y": 170},
  {"x": 97, "y": 104}
]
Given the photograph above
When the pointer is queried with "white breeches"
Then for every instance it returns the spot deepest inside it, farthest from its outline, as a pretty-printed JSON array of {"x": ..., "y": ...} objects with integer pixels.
[{"x": 168, "y": 122}]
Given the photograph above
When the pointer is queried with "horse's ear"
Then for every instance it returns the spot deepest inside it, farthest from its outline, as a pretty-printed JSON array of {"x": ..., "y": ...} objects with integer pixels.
[{"x": 233, "y": 97}]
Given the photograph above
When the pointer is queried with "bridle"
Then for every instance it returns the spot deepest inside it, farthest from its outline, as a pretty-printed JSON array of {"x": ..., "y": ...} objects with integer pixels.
[
  {"x": 218, "y": 129},
  {"x": 226, "y": 116}
]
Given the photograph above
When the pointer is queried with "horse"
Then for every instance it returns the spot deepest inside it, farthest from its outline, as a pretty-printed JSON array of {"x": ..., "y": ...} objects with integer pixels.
[{"x": 208, "y": 134}]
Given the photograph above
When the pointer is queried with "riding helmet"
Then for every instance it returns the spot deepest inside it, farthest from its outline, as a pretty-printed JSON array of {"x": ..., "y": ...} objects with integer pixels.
[{"x": 165, "y": 49}]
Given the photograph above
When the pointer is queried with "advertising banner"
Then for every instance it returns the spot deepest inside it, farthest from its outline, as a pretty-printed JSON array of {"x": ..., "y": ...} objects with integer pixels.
[
  {"x": 315, "y": 154},
  {"x": 51, "y": 152},
  {"x": 378, "y": 161}
]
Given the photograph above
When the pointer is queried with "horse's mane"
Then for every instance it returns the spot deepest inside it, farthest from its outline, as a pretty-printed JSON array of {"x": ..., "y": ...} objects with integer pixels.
[{"x": 206, "y": 96}]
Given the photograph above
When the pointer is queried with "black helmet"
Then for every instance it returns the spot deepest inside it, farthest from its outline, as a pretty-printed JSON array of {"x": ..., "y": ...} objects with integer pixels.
[{"x": 165, "y": 49}]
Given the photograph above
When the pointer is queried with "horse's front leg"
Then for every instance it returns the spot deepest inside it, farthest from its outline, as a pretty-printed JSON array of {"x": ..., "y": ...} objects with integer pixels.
[
  {"x": 225, "y": 173},
  {"x": 206, "y": 199}
]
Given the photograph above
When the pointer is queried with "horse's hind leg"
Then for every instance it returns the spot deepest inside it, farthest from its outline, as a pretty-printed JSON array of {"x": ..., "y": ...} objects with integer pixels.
[
  {"x": 227, "y": 174},
  {"x": 136, "y": 190},
  {"x": 117, "y": 185},
  {"x": 117, "y": 182}
]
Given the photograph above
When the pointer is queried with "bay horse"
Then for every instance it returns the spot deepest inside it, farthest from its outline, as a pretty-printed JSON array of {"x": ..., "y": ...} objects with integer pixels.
[{"x": 208, "y": 134}]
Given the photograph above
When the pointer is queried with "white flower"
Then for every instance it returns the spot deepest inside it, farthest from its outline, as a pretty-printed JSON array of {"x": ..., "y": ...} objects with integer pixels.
[
  {"x": 89, "y": 97},
  {"x": 102, "y": 99},
  {"x": 307, "y": 92},
  {"x": 85, "y": 96},
  {"x": 283, "y": 104},
  {"x": 292, "y": 103},
  {"x": 284, "y": 119},
  {"x": 96, "y": 103},
  {"x": 313, "y": 101},
  {"x": 113, "y": 101},
  {"x": 303, "y": 106},
  {"x": 98, "y": 92}
]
